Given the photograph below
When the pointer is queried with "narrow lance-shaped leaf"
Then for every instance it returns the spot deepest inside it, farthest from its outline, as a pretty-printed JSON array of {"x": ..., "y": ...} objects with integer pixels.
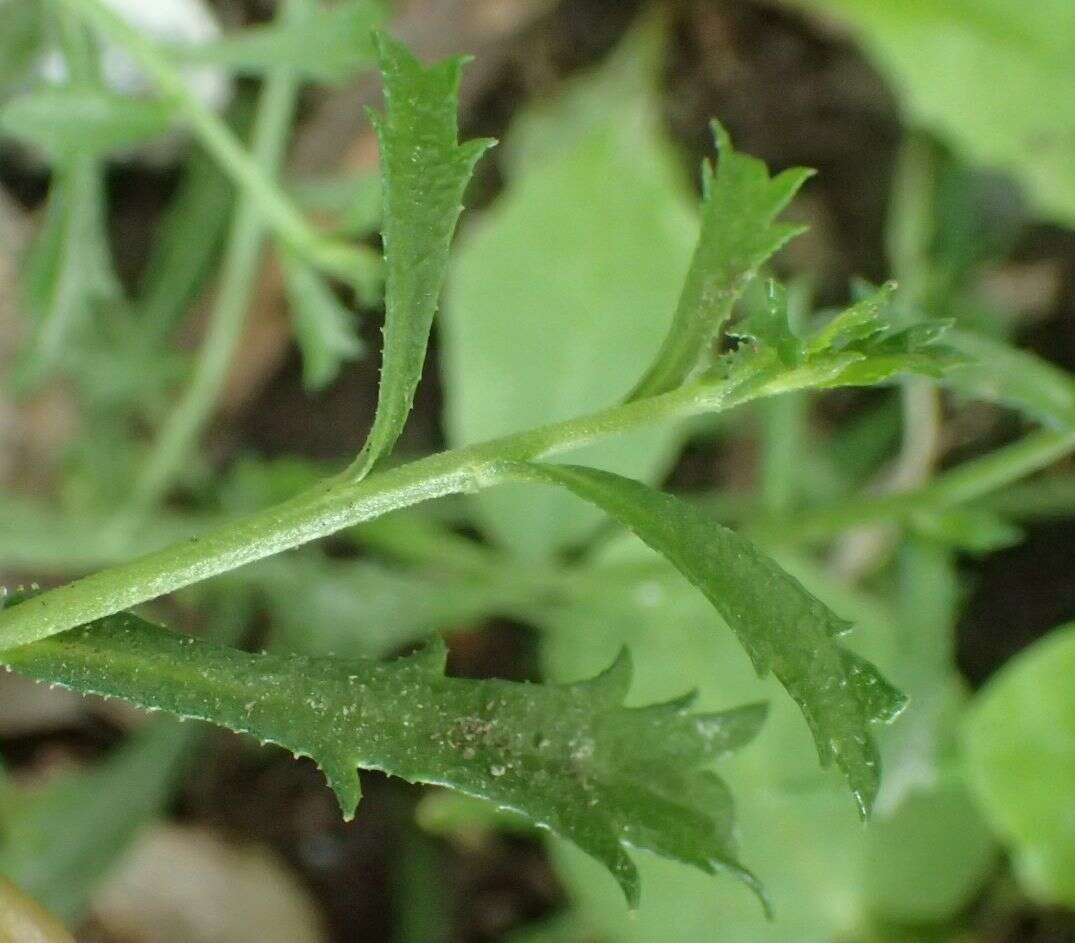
[
  {"x": 569, "y": 758},
  {"x": 424, "y": 173},
  {"x": 783, "y": 628},
  {"x": 739, "y": 207}
]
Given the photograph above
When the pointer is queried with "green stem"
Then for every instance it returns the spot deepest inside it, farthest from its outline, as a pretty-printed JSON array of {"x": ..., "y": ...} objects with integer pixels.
[
  {"x": 242, "y": 256},
  {"x": 340, "y": 502},
  {"x": 353, "y": 264}
]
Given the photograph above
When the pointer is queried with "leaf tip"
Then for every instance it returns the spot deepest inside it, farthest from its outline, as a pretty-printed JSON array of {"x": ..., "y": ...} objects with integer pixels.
[
  {"x": 721, "y": 137},
  {"x": 612, "y": 684},
  {"x": 753, "y": 882},
  {"x": 342, "y": 777}
]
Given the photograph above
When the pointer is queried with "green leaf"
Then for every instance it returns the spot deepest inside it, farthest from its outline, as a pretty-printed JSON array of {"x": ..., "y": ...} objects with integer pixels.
[
  {"x": 324, "y": 327},
  {"x": 326, "y": 45},
  {"x": 424, "y": 172},
  {"x": 62, "y": 120},
  {"x": 944, "y": 56},
  {"x": 560, "y": 294},
  {"x": 783, "y": 628},
  {"x": 569, "y": 758},
  {"x": 739, "y": 208},
  {"x": 59, "y": 841},
  {"x": 1019, "y": 744}
]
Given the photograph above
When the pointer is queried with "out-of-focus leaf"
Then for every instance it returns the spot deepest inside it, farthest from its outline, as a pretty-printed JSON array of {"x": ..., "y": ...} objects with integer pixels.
[
  {"x": 454, "y": 815},
  {"x": 739, "y": 232},
  {"x": 352, "y": 203},
  {"x": 324, "y": 45},
  {"x": 60, "y": 840},
  {"x": 423, "y": 906},
  {"x": 977, "y": 218},
  {"x": 424, "y": 172},
  {"x": 975, "y": 530},
  {"x": 188, "y": 238},
  {"x": 324, "y": 327},
  {"x": 1000, "y": 373},
  {"x": 252, "y": 482},
  {"x": 67, "y": 270},
  {"x": 923, "y": 630},
  {"x": 783, "y": 628},
  {"x": 361, "y": 608},
  {"x": 1047, "y": 496},
  {"x": 1019, "y": 743},
  {"x": 929, "y": 858},
  {"x": 928, "y": 850},
  {"x": 62, "y": 120},
  {"x": 571, "y": 759},
  {"x": 559, "y": 296},
  {"x": 21, "y": 34},
  {"x": 944, "y": 57}
]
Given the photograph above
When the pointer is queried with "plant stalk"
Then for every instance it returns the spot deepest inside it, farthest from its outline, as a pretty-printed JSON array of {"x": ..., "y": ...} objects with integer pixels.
[{"x": 340, "y": 502}]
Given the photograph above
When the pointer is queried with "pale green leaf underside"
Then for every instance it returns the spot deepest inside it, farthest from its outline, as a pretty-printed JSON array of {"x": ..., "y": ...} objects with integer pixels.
[
  {"x": 424, "y": 172},
  {"x": 739, "y": 233},
  {"x": 783, "y": 628},
  {"x": 569, "y": 758}
]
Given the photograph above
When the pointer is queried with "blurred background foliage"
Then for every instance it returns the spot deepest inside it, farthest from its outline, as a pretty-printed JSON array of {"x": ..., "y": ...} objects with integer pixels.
[{"x": 174, "y": 353}]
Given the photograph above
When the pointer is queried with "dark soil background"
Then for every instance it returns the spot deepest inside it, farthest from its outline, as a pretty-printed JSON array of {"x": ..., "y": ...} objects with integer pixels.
[{"x": 790, "y": 92}]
